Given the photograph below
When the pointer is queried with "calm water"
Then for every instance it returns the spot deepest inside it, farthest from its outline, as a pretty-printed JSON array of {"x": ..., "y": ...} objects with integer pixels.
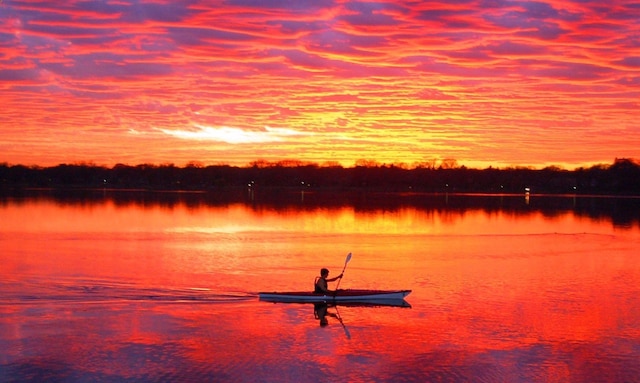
[{"x": 136, "y": 287}]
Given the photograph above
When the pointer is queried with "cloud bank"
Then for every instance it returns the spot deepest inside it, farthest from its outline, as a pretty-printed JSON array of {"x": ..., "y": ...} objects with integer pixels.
[{"x": 483, "y": 81}]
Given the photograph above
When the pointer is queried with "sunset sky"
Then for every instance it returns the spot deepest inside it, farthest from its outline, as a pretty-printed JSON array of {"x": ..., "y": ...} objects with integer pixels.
[{"x": 485, "y": 82}]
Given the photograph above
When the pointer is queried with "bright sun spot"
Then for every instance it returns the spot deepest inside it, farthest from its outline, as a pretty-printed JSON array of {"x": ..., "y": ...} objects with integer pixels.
[{"x": 233, "y": 135}]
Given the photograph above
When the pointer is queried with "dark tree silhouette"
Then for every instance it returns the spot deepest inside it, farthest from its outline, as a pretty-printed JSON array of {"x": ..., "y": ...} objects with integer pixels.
[{"x": 620, "y": 178}]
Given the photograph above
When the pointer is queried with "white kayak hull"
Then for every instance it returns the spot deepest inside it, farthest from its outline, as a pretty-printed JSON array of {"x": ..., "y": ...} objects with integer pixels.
[{"x": 341, "y": 296}]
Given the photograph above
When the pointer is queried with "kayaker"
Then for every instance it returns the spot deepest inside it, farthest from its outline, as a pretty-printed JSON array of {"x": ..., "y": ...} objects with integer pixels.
[{"x": 321, "y": 282}]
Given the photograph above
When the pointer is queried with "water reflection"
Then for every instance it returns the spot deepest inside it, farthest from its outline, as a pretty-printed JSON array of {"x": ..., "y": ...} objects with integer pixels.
[
  {"x": 622, "y": 212},
  {"x": 162, "y": 287},
  {"x": 321, "y": 312}
]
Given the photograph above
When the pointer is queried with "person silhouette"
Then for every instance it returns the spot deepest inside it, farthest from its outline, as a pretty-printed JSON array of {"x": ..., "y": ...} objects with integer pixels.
[
  {"x": 320, "y": 311},
  {"x": 320, "y": 284}
]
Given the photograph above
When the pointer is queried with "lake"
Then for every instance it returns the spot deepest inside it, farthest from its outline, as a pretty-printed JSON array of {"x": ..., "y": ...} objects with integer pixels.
[{"x": 107, "y": 286}]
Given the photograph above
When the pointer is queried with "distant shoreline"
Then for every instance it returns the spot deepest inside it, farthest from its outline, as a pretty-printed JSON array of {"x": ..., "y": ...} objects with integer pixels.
[
  {"x": 285, "y": 191},
  {"x": 622, "y": 178}
]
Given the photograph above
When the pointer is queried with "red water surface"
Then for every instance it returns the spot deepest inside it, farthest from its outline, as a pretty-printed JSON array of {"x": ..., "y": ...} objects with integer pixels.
[{"x": 100, "y": 291}]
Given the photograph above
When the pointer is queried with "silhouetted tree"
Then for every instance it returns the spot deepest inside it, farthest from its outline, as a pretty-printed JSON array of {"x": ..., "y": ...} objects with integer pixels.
[{"x": 622, "y": 177}]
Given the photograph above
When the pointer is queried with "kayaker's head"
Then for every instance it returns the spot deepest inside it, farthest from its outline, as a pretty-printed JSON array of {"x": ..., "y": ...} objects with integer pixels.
[{"x": 324, "y": 272}]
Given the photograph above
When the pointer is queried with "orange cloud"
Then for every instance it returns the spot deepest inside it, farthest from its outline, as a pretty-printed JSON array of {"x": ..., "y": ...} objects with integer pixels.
[{"x": 485, "y": 82}]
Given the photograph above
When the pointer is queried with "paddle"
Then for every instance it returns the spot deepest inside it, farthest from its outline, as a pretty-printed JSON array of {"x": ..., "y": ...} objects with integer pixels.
[
  {"x": 334, "y": 296},
  {"x": 346, "y": 331},
  {"x": 343, "y": 269}
]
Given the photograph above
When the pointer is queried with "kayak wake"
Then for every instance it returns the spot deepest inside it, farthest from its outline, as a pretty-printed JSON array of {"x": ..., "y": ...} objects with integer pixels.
[{"x": 112, "y": 293}]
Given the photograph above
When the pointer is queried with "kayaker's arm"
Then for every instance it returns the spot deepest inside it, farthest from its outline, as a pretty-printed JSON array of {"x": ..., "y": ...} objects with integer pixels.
[
  {"x": 321, "y": 285},
  {"x": 334, "y": 279}
]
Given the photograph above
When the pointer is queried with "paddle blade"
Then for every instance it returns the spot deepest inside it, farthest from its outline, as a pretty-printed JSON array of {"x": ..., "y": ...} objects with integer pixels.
[
  {"x": 348, "y": 258},
  {"x": 346, "y": 332}
]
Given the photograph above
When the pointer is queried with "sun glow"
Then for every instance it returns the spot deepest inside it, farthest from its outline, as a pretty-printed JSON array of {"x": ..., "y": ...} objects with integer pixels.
[{"x": 234, "y": 135}]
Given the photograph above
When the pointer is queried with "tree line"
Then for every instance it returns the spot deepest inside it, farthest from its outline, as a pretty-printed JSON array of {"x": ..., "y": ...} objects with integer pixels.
[{"x": 622, "y": 177}]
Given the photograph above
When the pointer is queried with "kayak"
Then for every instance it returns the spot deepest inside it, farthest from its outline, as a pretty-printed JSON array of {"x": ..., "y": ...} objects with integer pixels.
[
  {"x": 364, "y": 296},
  {"x": 332, "y": 303}
]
